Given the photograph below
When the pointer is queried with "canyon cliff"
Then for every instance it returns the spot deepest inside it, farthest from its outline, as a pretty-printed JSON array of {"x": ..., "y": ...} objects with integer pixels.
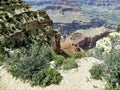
[{"x": 21, "y": 26}]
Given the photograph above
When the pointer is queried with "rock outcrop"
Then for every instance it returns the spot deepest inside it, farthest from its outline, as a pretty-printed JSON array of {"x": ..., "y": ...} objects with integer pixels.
[
  {"x": 21, "y": 26},
  {"x": 84, "y": 39}
]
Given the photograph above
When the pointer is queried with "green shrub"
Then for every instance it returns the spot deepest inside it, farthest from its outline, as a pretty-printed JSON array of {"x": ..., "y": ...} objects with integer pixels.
[
  {"x": 96, "y": 71},
  {"x": 30, "y": 62},
  {"x": 69, "y": 52},
  {"x": 46, "y": 77},
  {"x": 1, "y": 63},
  {"x": 69, "y": 63},
  {"x": 97, "y": 53},
  {"x": 110, "y": 88},
  {"x": 79, "y": 55},
  {"x": 118, "y": 28},
  {"x": 1, "y": 58},
  {"x": 58, "y": 60},
  {"x": 112, "y": 69}
]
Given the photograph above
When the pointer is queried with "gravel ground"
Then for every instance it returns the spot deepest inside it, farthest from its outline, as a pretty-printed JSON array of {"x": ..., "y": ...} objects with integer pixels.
[{"x": 74, "y": 79}]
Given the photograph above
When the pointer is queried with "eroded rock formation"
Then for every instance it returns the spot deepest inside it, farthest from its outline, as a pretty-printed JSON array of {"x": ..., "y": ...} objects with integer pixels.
[
  {"x": 21, "y": 26},
  {"x": 84, "y": 39}
]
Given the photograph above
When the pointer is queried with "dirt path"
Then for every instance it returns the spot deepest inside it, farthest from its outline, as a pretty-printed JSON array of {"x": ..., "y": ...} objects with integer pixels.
[{"x": 75, "y": 79}]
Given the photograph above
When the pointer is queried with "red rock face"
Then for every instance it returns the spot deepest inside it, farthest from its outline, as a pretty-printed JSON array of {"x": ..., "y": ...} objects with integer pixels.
[
  {"x": 82, "y": 43},
  {"x": 81, "y": 40},
  {"x": 69, "y": 46}
]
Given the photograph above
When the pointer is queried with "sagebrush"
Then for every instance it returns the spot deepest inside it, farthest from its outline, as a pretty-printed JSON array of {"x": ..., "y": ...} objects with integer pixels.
[
  {"x": 30, "y": 62},
  {"x": 59, "y": 59},
  {"x": 69, "y": 63},
  {"x": 96, "y": 71},
  {"x": 46, "y": 77},
  {"x": 78, "y": 55}
]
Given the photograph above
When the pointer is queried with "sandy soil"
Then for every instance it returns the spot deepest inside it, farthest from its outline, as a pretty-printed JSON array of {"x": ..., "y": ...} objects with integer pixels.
[{"x": 75, "y": 79}]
